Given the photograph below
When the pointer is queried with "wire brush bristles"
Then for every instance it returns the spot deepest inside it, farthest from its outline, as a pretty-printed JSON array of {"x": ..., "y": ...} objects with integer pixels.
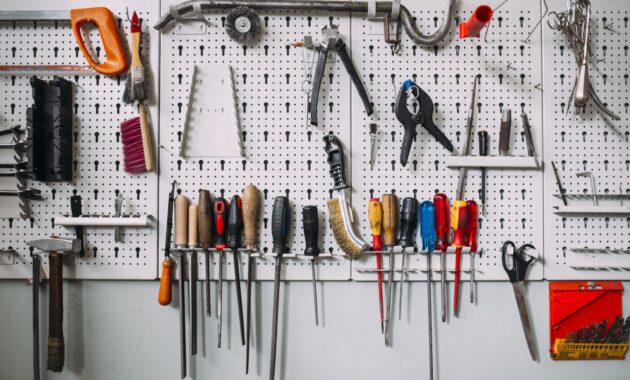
[
  {"x": 243, "y": 25},
  {"x": 344, "y": 236}
]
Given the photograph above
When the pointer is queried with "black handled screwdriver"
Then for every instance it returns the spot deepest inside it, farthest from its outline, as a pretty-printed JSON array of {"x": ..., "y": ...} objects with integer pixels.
[
  {"x": 483, "y": 151},
  {"x": 408, "y": 224},
  {"x": 220, "y": 211},
  {"x": 234, "y": 232},
  {"x": 280, "y": 223},
  {"x": 310, "y": 220}
]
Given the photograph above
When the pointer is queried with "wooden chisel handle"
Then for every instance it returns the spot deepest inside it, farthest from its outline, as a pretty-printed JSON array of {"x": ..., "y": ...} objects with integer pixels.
[
  {"x": 181, "y": 221},
  {"x": 251, "y": 208},
  {"x": 56, "y": 346},
  {"x": 165, "y": 294},
  {"x": 193, "y": 236},
  {"x": 390, "y": 211},
  {"x": 204, "y": 219}
]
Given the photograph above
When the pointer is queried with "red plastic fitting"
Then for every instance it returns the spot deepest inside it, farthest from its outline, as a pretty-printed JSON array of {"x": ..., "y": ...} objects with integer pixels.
[{"x": 480, "y": 18}]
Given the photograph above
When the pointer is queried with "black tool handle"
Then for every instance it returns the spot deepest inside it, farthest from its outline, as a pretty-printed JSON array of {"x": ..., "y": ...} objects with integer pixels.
[
  {"x": 352, "y": 71},
  {"x": 426, "y": 120},
  {"x": 235, "y": 223},
  {"x": 483, "y": 143},
  {"x": 336, "y": 161},
  {"x": 408, "y": 222},
  {"x": 310, "y": 221},
  {"x": 407, "y": 143},
  {"x": 317, "y": 81},
  {"x": 220, "y": 223},
  {"x": 75, "y": 208},
  {"x": 280, "y": 224},
  {"x": 169, "y": 222}
]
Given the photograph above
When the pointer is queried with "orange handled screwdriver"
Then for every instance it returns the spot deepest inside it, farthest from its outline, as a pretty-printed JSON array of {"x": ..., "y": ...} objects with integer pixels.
[
  {"x": 375, "y": 215},
  {"x": 473, "y": 213},
  {"x": 442, "y": 230},
  {"x": 165, "y": 294},
  {"x": 459, "y": 223}
]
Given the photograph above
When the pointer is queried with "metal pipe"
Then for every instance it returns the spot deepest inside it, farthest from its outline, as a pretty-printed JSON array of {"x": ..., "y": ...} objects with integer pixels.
[{"x": 356, "y": 7}]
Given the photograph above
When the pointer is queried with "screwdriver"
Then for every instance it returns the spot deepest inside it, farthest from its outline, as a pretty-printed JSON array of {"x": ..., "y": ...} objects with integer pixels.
[
  {"x": 280, "y": 223},
  {"x": 483, "y": 151},
  {"x": 408, "y": 224},
  {"x": 193, "y": 242},
  {"x": 390, "y": 219},
  {"x": 472, "y": 243},
  {"x": 427, "y": 236},
  {"x": 251, "y": 208},
  {"x": 505, "y": 133},
  {"x": 459, "y": 223},
  {"x": 181, "y": 236},
  {"x": 310, "y": 221},
  {"x": 375, "y": 215},
  {"x": 206, "y": 229},
  {"x": 220, "y": 209},
  {"x": 165, "y": 292},
  {"x": 441, "y": 209},
  {"x": 234, "y": 232}
]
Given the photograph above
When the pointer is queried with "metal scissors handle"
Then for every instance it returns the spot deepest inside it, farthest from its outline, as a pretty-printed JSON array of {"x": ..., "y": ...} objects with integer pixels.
[{"x": 520, "y": 264}]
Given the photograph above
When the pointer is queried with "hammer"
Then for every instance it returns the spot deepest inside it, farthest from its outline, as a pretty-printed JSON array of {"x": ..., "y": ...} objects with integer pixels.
[{"x": 55, "y": 247}]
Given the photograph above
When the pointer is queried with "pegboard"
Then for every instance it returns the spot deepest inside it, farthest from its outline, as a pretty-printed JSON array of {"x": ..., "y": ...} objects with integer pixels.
[
  {"x": 285, "y": 156},
  {"x": 282, "y": 155},
  {"x": 508, "y": 75},
  {"x": 587, "y": 141},
  {"x": 98, "y": 173}
]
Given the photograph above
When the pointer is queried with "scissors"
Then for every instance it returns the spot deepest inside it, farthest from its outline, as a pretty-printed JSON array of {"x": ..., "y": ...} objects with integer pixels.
[{"x": 517, "y": 273}]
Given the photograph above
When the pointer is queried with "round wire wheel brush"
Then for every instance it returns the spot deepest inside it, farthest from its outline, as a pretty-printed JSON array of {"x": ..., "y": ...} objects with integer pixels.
[{"x": 242, "y": 24}]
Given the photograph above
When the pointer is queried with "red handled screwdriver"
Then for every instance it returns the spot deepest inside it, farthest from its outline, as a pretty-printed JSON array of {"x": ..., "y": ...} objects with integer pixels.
[
  {"x": 220, "y": 221},
  {"x": 442, "y": 230},
  {"x": 473, "y": 214}
]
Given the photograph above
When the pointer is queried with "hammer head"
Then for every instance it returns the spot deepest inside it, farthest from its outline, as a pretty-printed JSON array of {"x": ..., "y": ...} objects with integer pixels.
[{"x": 54, "y": 244}]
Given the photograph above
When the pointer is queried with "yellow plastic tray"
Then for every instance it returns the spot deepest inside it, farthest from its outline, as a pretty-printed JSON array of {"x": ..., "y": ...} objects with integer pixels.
[{"x": 588, "y": 351}]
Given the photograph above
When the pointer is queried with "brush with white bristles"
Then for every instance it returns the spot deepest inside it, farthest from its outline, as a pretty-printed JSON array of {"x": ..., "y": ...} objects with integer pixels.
[{"x": 338, "y": 209}]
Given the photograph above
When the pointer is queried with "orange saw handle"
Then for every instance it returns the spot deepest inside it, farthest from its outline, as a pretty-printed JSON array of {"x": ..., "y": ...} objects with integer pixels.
[{"x": 116, "y": 62}]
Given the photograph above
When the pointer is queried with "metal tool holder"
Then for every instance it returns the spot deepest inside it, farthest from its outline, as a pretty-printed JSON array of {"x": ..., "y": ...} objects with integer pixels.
[
  {"x": 588, "y": 141},
  {"x": 98, "y": 172}
]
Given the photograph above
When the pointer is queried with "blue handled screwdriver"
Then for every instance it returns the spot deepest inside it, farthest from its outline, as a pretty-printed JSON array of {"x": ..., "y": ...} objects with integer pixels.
[{"x": 427, "y": 235}]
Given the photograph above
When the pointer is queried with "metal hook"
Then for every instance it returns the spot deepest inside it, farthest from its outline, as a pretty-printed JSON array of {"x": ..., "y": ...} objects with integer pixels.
[{"x": 526, "y": 40}]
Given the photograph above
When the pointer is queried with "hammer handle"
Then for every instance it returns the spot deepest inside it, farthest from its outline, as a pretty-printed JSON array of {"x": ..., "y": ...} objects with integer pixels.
[{"x": 56, "y": 347}]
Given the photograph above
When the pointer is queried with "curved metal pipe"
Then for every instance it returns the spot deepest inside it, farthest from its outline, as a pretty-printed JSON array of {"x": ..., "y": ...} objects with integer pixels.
[{"x": 406, "y": 19}]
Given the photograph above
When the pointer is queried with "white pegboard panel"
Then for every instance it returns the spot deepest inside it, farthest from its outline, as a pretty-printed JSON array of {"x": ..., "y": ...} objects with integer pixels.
[
  {"x": 98, "y": 171},
  {"x": 282, "y": 155},
  {"x": 587, "y": 141},
  {"x": 509, "y": 77}
]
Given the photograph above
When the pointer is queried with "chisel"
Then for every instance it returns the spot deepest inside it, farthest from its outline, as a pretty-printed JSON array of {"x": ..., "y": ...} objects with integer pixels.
[
  {"x": 390, "y": 219},
  {"x": 220, "y": 209},
  {"x": 181, "y": 244},
  {"x": 193, "y": 243},
  {"x": 251, "y": 209},
  {"x": 310, "y": 221},
  {"x": 234, "y": 232},
  {"x": 206, "y": 230},
  {"x": 165, "y": 291},
  {"x": 280, "y": 224}
]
